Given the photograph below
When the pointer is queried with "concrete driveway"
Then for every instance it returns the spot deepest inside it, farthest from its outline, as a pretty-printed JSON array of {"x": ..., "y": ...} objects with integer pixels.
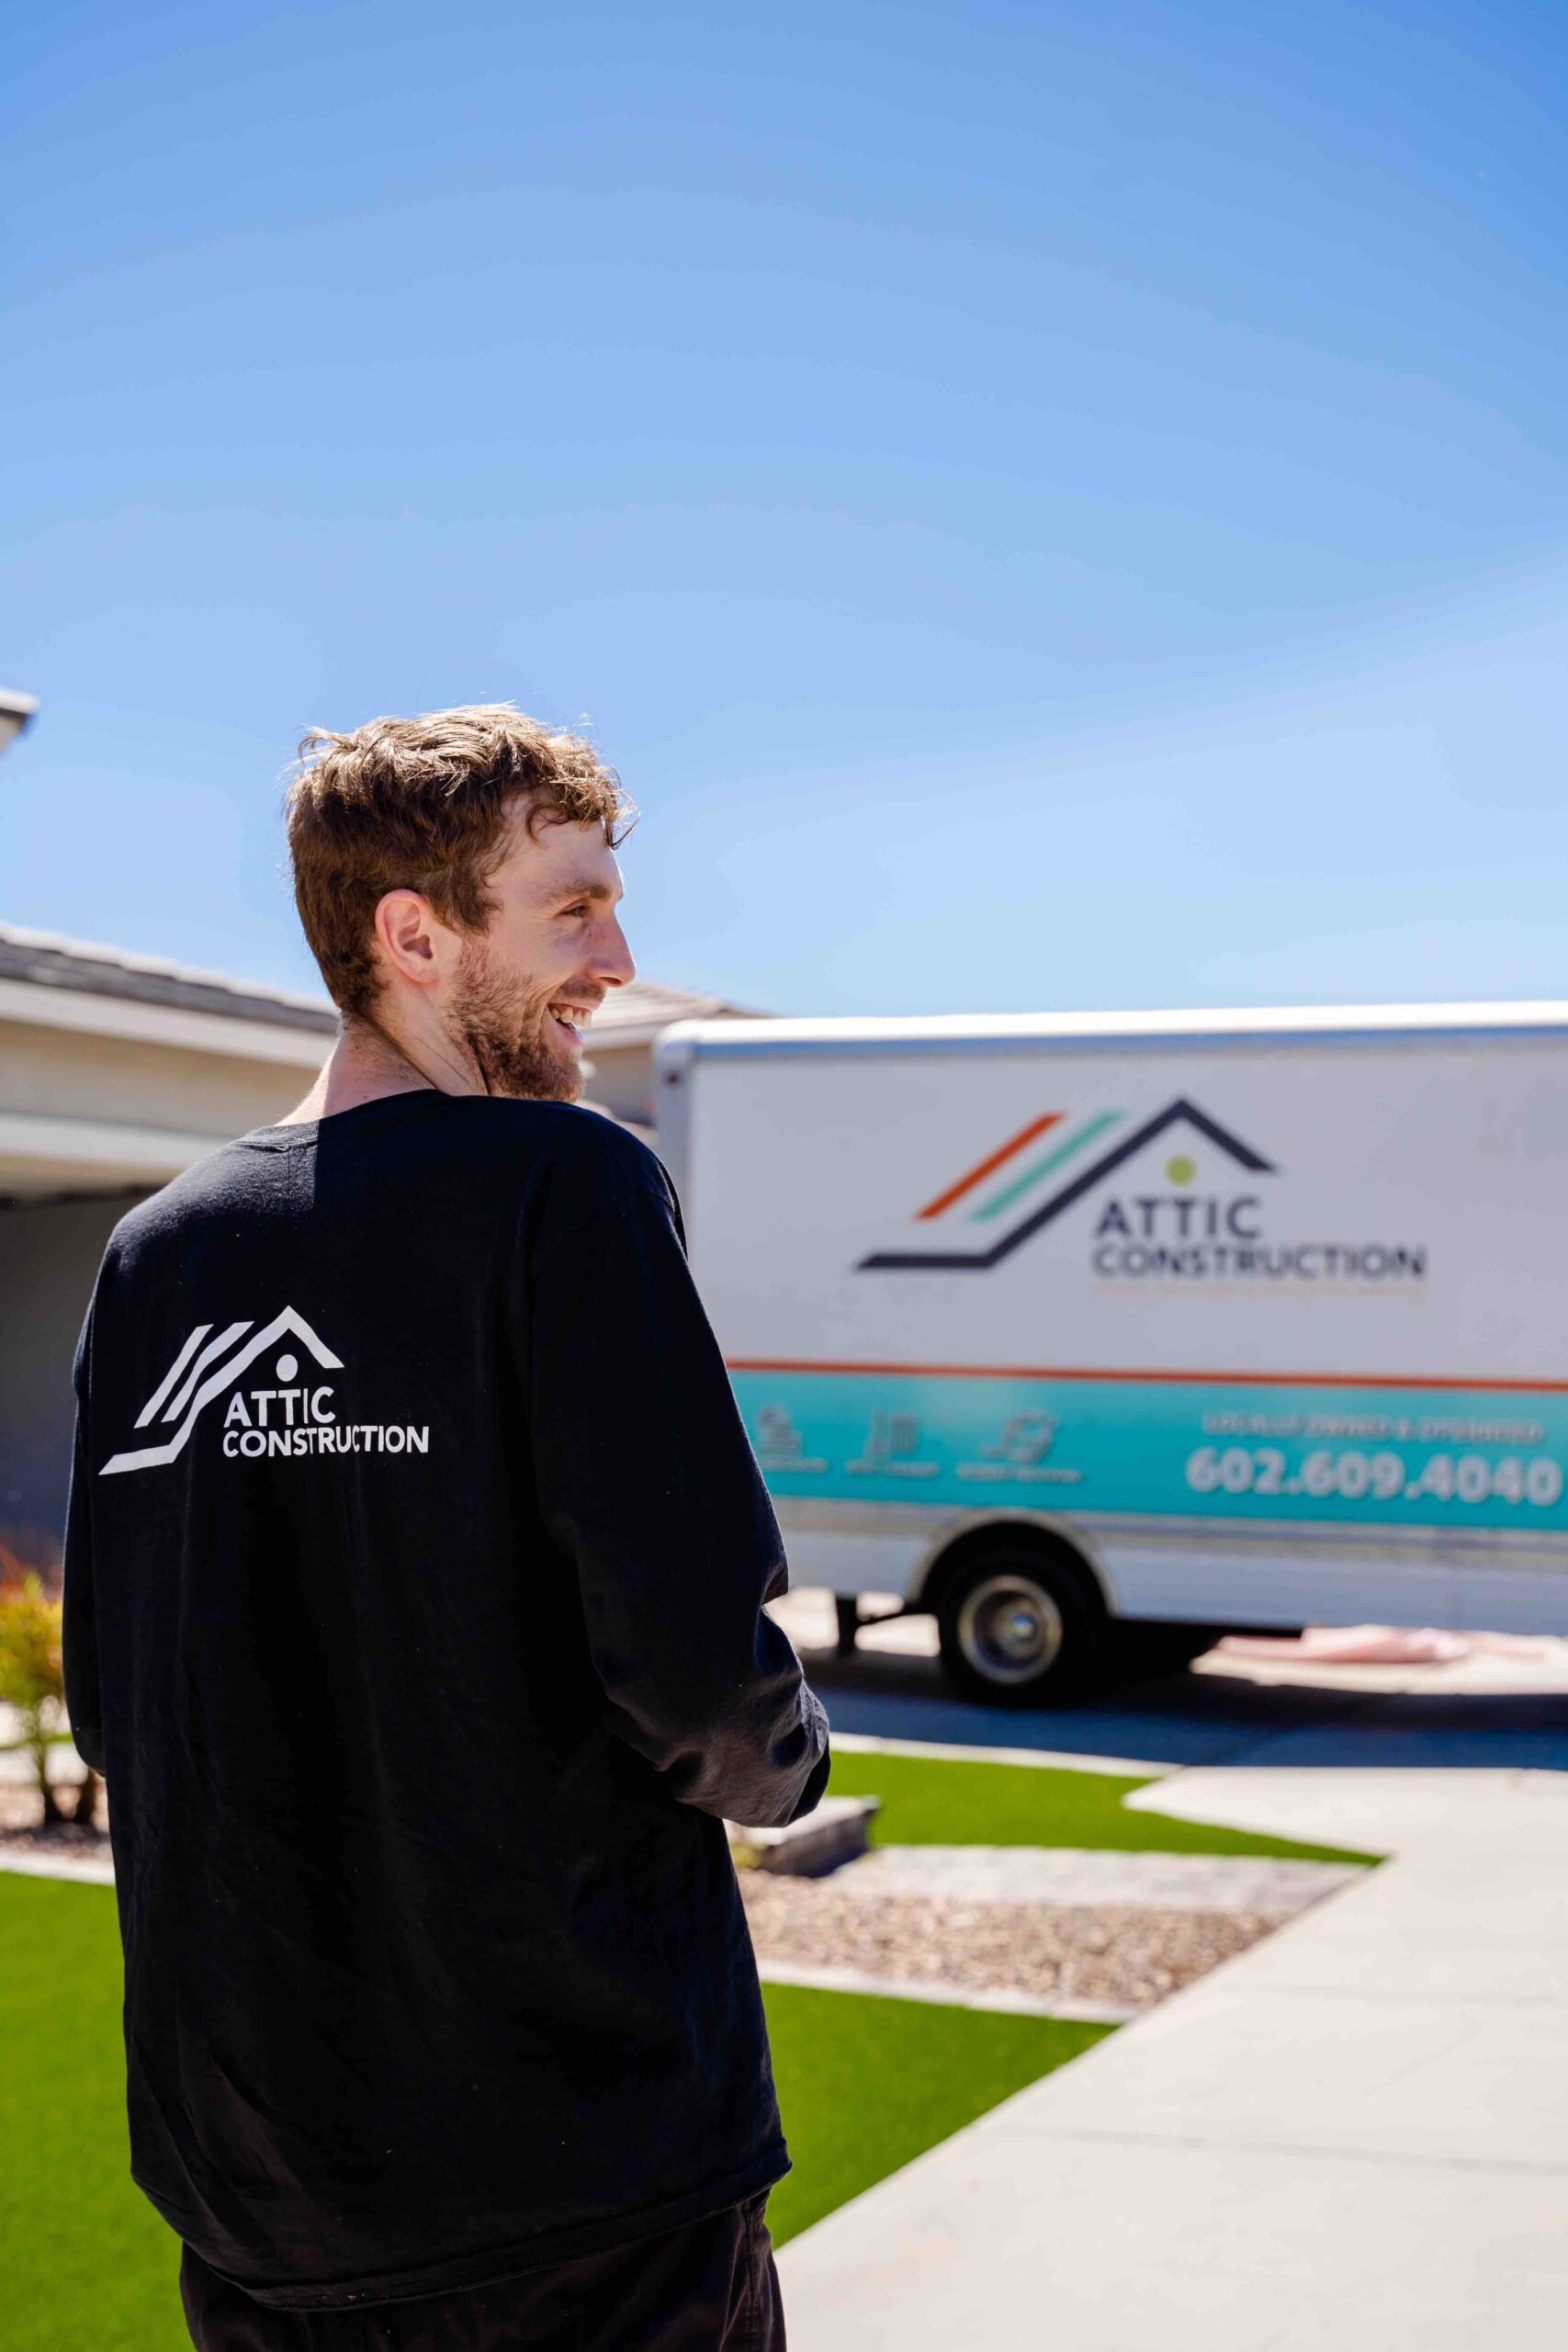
[
  {"x": 1354, "y": 2135},
  {"x": 1486, "y": 1713}
]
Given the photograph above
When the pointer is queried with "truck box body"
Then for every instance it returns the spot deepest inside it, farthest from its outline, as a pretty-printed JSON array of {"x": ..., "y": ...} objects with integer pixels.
[{"x": 1265, "y": 1313}]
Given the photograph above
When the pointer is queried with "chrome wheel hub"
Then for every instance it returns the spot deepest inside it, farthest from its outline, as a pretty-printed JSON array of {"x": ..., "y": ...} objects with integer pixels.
[{"x": 1009, "y": 1629}]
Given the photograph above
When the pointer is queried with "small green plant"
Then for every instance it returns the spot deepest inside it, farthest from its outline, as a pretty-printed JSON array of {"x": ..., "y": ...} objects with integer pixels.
[{"x": 33, "y": 1680}]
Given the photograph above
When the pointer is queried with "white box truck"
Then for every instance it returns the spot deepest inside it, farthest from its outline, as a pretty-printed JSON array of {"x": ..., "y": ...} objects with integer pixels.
[{"x": 1171, "y": 1320}]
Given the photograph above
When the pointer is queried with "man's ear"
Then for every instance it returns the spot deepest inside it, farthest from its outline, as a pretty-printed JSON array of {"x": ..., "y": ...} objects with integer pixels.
[{"x": 405, "y": 927}]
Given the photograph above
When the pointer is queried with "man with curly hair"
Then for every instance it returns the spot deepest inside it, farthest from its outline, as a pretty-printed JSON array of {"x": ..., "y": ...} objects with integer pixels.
[{"x": 414, "y": 1594}]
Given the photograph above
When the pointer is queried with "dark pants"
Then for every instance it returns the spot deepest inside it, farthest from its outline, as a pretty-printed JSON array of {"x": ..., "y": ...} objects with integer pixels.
[{"x": 707, "y": 2287}]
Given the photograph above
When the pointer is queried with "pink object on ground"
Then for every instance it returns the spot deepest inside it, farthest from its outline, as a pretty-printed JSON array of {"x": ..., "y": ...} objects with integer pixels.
[{"x": 1377, "y": 1645}]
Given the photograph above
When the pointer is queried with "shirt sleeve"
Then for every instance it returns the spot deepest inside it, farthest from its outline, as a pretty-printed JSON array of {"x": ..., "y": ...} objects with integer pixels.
[
  {"x": 79, "y": 1636},
  {"x": 647, "y": 1479}
]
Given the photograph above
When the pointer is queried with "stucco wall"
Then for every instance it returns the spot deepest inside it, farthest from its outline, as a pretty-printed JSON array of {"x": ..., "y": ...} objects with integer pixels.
[
  {"x": 49, "y": 1256},
  {"x": 75, "y": 1074},
  {"x": 622, "y": 1078}
]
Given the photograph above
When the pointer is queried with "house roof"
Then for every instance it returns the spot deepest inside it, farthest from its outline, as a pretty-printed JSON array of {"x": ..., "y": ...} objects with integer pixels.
[
  {"x": 629, "y": 1015},
  {"x": 47, "y": 960},
  {"x": 641, "y": 1008}
]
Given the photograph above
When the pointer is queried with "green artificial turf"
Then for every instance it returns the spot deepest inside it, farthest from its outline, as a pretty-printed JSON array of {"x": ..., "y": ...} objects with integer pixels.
[
  {"x": 864, "y": 2085},
  {"x": 941, "y": 1801},
  {"x": 88, "y": 2262}
]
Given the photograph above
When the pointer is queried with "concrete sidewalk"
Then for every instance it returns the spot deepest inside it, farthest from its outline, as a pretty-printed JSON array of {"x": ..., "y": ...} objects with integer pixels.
[{"x": 1353, "y": 2136}]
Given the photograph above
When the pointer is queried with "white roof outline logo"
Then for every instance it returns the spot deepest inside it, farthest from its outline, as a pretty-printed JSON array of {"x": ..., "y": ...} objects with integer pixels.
[{"x": 183, "y": 1399}]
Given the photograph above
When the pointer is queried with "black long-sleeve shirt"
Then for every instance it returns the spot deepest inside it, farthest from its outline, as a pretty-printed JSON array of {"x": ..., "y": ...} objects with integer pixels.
[{"x": 413, "y": 1589}]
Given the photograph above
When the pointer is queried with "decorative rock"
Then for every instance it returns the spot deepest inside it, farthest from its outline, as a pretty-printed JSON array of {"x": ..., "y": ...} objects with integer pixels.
[{"x": 1105, "y": 1960}]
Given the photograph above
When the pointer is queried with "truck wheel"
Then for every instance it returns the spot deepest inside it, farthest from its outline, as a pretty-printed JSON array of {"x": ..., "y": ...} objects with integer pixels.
[{"x": 1017, "y": 1628}]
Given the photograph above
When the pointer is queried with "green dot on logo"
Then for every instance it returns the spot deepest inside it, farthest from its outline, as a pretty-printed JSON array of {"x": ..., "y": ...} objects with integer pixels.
[{"x": 1181, "y": 1171}]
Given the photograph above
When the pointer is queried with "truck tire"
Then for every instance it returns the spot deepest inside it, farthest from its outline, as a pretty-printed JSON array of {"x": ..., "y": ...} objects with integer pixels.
[{"x": 1019, "y": 1627}]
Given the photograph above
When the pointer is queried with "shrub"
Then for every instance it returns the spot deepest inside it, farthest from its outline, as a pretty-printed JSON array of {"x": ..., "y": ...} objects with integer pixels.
[{"x": 33, "y": 1680}]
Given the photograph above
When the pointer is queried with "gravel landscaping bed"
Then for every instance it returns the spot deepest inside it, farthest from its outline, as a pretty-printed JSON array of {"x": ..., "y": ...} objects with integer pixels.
[{"x": 1112, "y": 1954}]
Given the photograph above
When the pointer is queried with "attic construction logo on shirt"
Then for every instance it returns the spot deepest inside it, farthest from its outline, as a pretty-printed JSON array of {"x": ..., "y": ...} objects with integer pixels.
[{"x": 296, "y": 1411}]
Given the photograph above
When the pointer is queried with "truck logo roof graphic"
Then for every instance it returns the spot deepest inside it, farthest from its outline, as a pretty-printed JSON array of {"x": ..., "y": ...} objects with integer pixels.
[
  {"x": 996, "y": 1203},
  {"x": 184, "y": 1393}
]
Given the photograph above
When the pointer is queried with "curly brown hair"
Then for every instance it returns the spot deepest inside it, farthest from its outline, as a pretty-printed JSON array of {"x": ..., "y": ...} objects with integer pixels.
[{"x": 424, "y": 804}]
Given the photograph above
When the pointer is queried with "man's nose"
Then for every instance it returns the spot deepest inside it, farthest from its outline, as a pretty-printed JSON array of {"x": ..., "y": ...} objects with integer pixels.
[{"x": 612, "y": 964}]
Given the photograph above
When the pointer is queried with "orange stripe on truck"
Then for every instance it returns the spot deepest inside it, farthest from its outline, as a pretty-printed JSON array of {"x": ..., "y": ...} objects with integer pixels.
[
  {"x": 988, "y": 1166},
  {"x": 1094, "y": 1372}
]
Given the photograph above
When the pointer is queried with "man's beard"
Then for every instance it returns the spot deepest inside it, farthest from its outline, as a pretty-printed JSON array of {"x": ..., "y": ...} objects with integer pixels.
[{"x": 502, "y": 1023}]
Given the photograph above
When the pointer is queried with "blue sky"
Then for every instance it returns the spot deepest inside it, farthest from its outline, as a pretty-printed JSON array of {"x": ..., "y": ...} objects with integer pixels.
[{"x": 1045, "y": 505}]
